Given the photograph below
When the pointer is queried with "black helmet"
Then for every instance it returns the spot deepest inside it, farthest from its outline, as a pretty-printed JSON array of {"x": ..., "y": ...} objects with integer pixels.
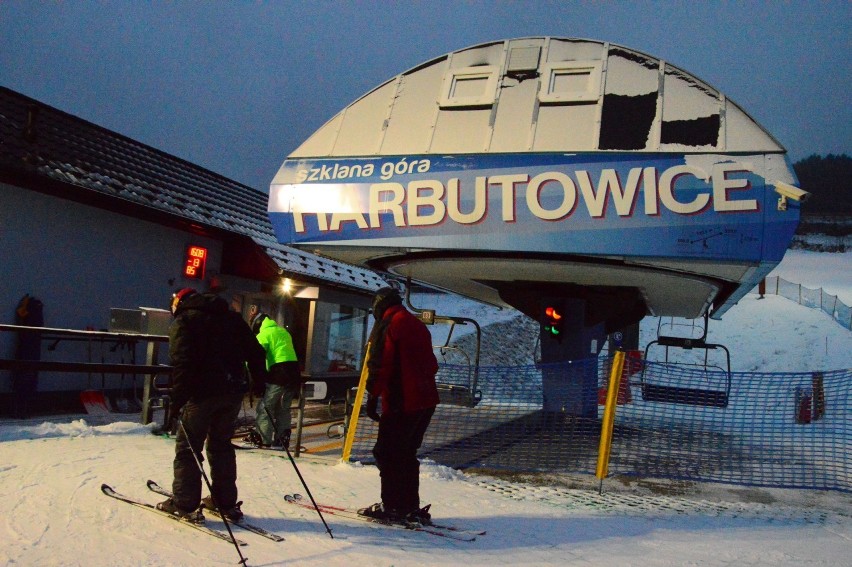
[
  {"x": 384, "y": 298},
  {"x": 180, "y": 295},
  {"x": 257, "y": 320}
]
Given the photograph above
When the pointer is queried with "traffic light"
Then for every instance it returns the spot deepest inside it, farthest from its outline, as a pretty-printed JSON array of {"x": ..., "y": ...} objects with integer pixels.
[{"x": 553, "y": 321}]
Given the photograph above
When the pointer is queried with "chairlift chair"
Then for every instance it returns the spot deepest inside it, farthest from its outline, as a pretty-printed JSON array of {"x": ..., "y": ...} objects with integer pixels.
[
  {"x": 465, "y": 394},
  {"x": 459, "y": 394},
  {"x": 710, "y": 397}
]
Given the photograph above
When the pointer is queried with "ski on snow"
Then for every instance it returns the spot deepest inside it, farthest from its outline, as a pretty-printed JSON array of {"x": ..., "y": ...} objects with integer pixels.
[
  {"x": 277, "y": 451},
  {"x": 451, "y": 532},
  {"x": 153, "y": 486},
  {"x": 109, "y": 491}
]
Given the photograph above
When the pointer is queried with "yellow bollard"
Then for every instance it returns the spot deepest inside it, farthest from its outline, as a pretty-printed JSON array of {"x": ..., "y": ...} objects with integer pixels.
[
  {"x": 356, "y": 408},
  {"x": 609, "y": 414}
]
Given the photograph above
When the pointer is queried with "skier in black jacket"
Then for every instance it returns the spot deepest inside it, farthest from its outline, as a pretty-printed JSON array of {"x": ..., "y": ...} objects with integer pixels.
[{"x": 209, "y": 346}]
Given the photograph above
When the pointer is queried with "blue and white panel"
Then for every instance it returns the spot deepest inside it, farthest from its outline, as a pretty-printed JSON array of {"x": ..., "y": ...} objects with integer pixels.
[{"x": 601, "y": 204}]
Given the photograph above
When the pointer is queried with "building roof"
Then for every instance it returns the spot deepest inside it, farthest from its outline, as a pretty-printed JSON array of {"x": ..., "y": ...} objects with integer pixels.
[
  {"x": 539, "y": 94},
  {"x": 39, "y": 141}
]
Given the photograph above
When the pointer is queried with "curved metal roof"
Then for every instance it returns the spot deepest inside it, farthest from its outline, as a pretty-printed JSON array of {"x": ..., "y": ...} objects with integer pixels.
[{"x": 540, "y": 94}]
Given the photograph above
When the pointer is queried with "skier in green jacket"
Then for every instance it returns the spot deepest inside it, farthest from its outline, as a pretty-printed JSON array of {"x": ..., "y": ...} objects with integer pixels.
[{"x": 282, "y": 384}]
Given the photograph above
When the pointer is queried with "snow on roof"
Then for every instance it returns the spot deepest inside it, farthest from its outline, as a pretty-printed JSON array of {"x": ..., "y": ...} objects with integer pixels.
[{"x": 38, "y": 139}]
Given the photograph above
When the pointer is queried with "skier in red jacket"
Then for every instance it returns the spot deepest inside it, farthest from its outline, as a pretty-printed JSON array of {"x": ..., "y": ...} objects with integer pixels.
[{"x": 401, "y": 371}]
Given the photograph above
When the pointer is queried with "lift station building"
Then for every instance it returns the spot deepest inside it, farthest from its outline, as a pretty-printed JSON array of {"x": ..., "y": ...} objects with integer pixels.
[{"x": 551, "y": 175}]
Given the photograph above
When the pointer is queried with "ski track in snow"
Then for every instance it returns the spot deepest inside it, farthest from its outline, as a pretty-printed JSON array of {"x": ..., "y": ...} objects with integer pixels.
[
  {"x": 661, "y": 507},
  {"x": 58, "y": 516}
]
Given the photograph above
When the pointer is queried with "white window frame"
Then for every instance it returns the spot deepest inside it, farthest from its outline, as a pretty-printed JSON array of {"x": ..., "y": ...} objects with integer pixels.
[
  {"x": 451, "y": 78},
  {"x": 551, "y": 70}
]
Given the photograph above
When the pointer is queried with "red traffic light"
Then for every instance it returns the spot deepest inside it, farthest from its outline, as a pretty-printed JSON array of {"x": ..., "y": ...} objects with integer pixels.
[{"x": 553, "y": 325}]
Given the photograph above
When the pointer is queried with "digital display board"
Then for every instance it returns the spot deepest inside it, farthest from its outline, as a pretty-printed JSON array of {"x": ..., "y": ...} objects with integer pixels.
[{"x": 196, "y": 260}]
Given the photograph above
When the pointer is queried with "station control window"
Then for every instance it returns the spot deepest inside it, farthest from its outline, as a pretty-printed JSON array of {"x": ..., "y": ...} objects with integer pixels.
[
  {"x": 570, "y": 82},
  {"x": 338, "y": 338},
  {"x": 470, "y": 87},
  {"x": 329, "y": 329}
]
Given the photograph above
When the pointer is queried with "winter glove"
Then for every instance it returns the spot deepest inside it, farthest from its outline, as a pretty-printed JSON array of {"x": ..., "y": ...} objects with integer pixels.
[
  {"x": 372, "y": 408},
  {"x": 174, "y": 414}
]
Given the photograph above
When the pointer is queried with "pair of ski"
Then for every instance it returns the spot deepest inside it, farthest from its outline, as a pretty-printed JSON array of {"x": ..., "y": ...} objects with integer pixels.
[
  {"x": 441, "y": 530},
  {"x": 274, "y": 450},
  {"x": 450, "y": 532},
  {"x": 154, "y": 487}
]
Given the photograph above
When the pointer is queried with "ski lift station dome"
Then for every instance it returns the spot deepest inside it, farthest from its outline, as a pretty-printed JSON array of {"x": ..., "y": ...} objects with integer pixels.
[{"x": 547, "y": 166}]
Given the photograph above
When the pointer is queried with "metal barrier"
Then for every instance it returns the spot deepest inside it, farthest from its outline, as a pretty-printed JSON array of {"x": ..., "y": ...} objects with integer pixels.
[
  {"x": 763, "y": 437},
  {"x": 816, "y": 298},
  {"x": 153, "y": 396}
]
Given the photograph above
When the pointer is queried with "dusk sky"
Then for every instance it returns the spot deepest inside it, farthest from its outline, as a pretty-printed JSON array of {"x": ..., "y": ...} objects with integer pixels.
[{"x": 236, "y": 86}]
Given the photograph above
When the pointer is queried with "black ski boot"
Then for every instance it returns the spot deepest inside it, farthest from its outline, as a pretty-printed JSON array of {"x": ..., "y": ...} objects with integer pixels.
[
  {"x": 193, "y": 516},
  {"x": 283, "y": 442},
  {"x": 233, "y": 513},
  {"x": 378, "y": 512},
  {"x": 420, "y": 516},
  {"x": 253, "y": 439}
]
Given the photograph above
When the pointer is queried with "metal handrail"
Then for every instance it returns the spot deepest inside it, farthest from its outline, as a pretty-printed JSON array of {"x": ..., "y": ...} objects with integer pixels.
[
  {"x": 52, "y": 333},
  {"x": 151, "y": 391},
  {"x": 103, "y": 367}
]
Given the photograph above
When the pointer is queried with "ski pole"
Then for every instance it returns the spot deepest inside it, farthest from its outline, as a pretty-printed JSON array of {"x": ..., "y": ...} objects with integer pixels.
[
  {"x": 287, "y": 450},
  {"x": 210, "y": 488}
]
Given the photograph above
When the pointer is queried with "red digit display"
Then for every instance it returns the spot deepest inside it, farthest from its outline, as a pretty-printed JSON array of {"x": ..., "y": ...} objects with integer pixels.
[{"x": 196, "y": 259}]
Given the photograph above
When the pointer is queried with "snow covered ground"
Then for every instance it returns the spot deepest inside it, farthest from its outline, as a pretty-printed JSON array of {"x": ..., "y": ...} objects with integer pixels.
[{"x": 52, "y": 511}]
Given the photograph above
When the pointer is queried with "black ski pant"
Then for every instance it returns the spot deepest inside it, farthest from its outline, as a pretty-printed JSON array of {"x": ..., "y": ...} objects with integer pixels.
[
  {"x": 400, "y": 436},
  {"x": 212, "y": 419}
]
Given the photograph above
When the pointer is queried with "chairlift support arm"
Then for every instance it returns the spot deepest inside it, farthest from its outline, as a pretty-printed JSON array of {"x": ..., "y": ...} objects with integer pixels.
[{"x": 453, "y": 321}]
